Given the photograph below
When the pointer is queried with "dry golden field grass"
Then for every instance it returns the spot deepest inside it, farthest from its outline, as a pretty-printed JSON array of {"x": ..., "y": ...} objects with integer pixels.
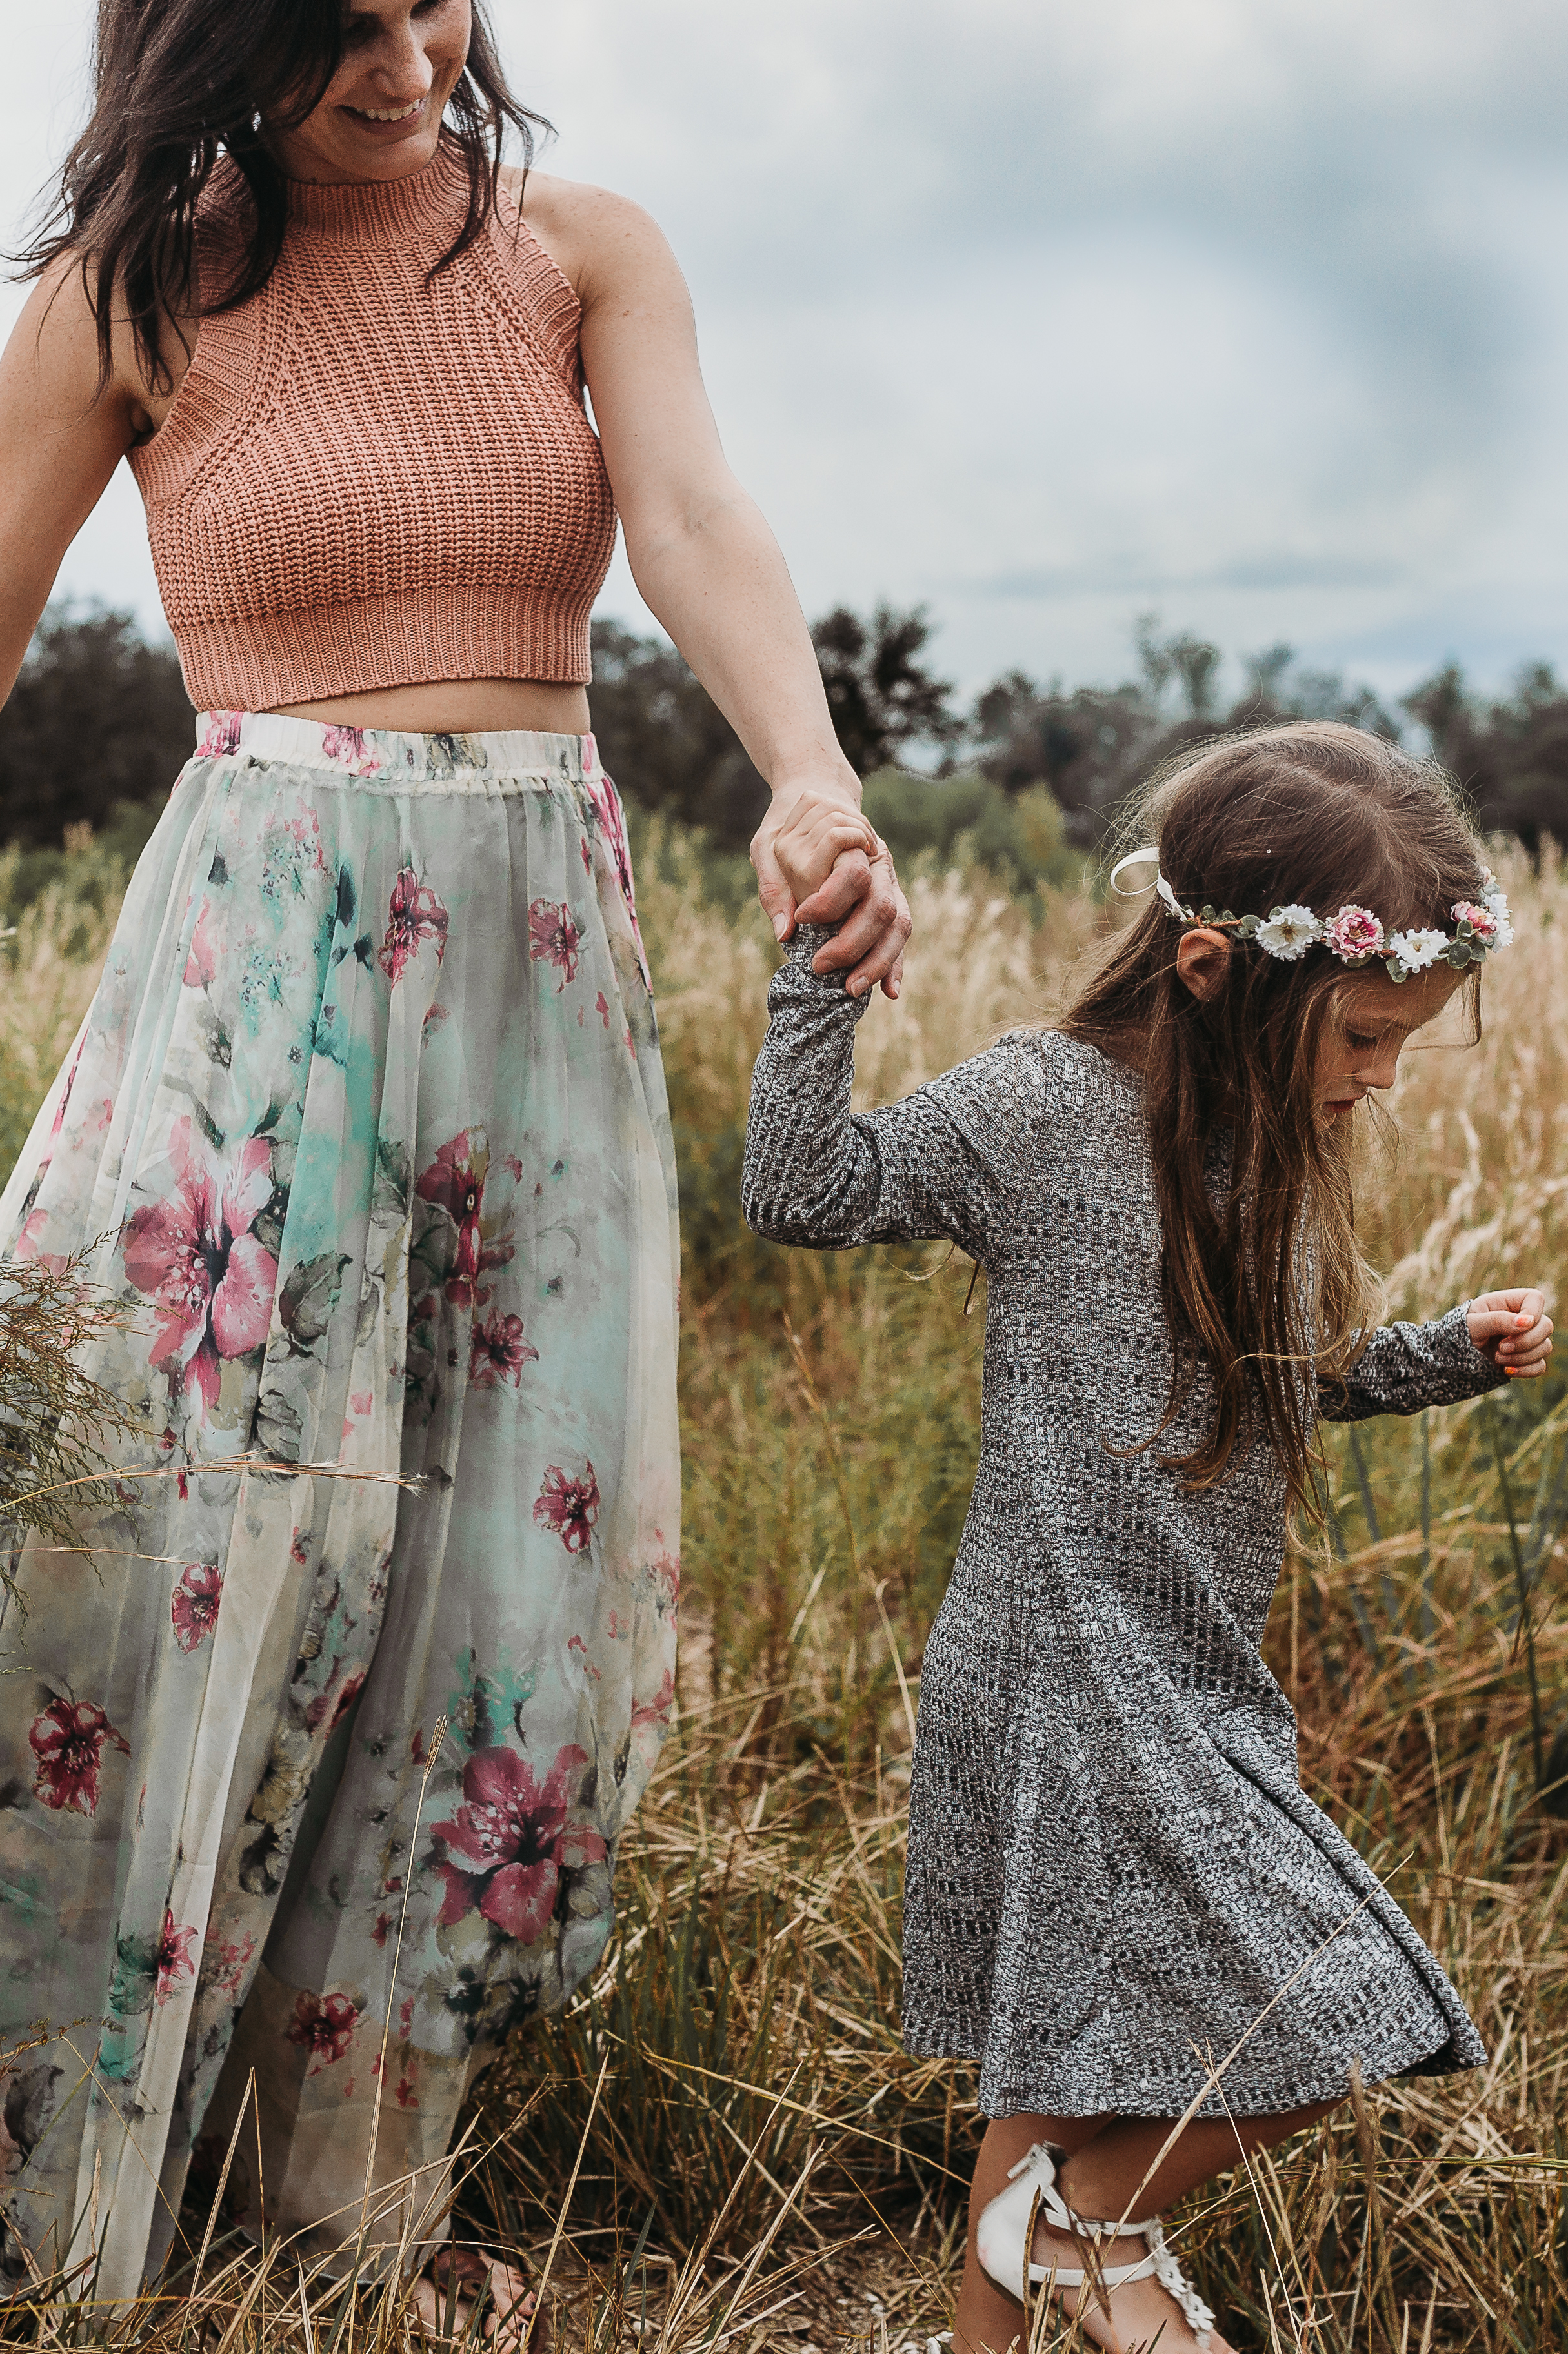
[{"x": 721, "y": 2144}]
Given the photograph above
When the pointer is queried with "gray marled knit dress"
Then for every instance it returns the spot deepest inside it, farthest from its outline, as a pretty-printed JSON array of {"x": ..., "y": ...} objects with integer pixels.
[{"x": 1113, "y": 1869}]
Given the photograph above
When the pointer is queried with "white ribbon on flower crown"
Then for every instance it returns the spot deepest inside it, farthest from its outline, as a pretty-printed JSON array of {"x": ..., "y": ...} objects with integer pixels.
[
  {"x": 1355, "y": 935},
  {"x": 1146, "y": 857}
]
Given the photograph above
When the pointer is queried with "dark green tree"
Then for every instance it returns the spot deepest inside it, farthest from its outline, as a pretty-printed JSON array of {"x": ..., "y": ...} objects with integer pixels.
[
  {"x": 1192, "y": 662},
  {"x": 882, "y": 697},
  {"x": 666, "y": 743},
  {"x": 98, "y": 718},
  {"x": 1092, "y": 745},
  {"x": 1087, "y": 746},
  {"x": 1511, "y": 755}
]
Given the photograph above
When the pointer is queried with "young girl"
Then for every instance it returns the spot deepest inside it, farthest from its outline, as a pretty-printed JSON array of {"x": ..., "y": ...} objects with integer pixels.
[{"x": 1114, "y": 1879}]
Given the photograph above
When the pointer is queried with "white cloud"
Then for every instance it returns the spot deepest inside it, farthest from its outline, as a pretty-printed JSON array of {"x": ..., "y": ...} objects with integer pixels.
[{"x": 1247, "y": 309}]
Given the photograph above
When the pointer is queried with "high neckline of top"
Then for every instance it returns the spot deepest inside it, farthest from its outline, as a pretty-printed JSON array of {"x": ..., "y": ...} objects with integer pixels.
[{"x": 373, "y": 210}]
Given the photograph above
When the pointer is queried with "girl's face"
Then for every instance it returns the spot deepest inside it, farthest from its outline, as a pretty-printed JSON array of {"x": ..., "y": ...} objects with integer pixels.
[
  {"x": 1370, "y": 1023},
  {"x": 381, "y": 114}
]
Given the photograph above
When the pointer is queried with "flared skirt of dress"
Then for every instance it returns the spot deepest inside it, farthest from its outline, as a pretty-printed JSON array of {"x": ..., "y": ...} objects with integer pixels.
[
  {"x": 1119, "y": 1898},
  {"x": 366, "y": 1130}
]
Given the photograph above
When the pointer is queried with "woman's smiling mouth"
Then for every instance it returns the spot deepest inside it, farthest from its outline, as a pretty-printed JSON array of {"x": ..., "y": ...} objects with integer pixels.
[{"x": 386, "y": 114}]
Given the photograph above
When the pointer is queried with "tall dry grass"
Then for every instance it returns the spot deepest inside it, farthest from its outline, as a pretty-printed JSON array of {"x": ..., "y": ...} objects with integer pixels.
[
  {"x": 52, "y": 950},
  {"x": 723, "y": 2143}
]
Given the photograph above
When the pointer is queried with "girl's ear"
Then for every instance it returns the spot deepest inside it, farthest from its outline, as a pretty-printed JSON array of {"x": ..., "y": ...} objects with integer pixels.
[{"x": 1203, "y": 960}]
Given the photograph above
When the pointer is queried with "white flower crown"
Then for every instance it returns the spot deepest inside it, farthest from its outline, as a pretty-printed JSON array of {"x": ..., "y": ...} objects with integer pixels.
[{"x": 1355, "y": 935}]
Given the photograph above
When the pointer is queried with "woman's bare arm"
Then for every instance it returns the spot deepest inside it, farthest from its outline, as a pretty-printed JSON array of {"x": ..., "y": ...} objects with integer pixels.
[
  {"x": 61, "y": 437},
  {"x": 711, "y": 570}
]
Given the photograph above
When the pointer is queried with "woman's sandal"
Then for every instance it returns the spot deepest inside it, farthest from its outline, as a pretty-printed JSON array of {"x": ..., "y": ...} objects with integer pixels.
[
  {"x": 456, "y": 2278},
  {"x": 1005, "y": 2235}
]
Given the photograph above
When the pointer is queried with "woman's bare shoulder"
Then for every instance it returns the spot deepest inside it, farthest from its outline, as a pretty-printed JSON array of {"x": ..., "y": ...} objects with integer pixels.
[
  {"x": 593, "y": 236},
  {"x": 60, "y": 323}
]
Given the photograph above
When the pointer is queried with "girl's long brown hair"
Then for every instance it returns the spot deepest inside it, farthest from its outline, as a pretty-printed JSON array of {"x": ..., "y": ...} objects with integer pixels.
[
  {"x": 1266, "y": 1284},
  {"x": 178, "y": 83}
]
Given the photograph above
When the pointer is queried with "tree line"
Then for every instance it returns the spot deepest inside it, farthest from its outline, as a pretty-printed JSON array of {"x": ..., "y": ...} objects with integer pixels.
[{"x": 98, "y": 724}]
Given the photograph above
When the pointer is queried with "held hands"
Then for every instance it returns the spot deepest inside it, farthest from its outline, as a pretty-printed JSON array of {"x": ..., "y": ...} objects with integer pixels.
[
  {"x": 1514, "y": 1330},
  {"x": 819, "y": 861}
]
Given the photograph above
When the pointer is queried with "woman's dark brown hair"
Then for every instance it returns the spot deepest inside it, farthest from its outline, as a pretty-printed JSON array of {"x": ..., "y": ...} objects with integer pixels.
[
  {"x": 1264, "y": 1281},
  {"x": 178, "y": 83}
]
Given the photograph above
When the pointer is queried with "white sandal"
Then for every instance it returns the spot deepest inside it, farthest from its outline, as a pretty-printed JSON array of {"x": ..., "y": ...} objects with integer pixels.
[{"x": 1006, "y": 2231}]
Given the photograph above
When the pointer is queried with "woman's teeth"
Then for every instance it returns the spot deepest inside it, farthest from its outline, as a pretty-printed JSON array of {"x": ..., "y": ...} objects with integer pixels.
[{"x": 387, "y": 114}]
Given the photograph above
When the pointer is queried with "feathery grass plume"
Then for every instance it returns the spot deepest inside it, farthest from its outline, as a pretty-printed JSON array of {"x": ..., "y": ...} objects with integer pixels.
[{"x": 57, "y": 1425}]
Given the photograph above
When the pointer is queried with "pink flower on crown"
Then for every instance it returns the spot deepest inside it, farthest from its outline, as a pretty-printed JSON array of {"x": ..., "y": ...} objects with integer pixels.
[
  {"x": 1482, "y": 921},
  {"x": 1352, "y": 934}
]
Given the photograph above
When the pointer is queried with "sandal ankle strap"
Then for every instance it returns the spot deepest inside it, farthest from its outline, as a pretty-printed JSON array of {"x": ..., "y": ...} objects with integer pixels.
[{"x": 1042, "y": 2164}]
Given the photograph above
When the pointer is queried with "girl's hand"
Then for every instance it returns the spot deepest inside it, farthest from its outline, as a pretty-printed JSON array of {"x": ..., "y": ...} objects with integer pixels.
[
  {"x": 1514, "y": 1330},
  {"x": 820, "y": 861}
]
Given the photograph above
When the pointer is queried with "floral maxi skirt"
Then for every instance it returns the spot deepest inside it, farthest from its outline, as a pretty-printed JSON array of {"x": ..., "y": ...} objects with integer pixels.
[{"x": 366, "y": 1131}]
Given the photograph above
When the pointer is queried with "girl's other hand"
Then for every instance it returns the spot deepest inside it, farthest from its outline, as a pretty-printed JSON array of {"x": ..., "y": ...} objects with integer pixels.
[
  {"x": 820, "y": 861},
  {"x": 1514, "y": 1330}
]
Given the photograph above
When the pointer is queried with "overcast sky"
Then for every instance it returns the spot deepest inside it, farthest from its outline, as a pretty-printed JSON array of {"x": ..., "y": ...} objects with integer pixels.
[{"x": 1051, "y": 312}]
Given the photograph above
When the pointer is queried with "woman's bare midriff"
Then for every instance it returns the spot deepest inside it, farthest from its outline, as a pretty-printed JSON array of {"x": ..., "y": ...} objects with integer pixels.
[{"x": 457, "y": 706}]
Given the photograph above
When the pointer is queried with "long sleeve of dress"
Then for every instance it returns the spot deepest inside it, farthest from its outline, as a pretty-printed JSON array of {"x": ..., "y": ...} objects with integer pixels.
[
  {"x": 947, "y": 1161},
  {"x": 1404, "y": 1367}
]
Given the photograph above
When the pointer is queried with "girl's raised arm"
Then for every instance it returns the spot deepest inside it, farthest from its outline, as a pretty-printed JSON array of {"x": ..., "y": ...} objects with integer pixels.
[
  {"x": 1404, "y": 1367},
  {"x": 945, "y": 1161}
]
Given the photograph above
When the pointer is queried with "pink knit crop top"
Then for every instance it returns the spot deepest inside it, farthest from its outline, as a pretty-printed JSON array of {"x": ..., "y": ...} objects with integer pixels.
[{"x": 364, "y": 479}]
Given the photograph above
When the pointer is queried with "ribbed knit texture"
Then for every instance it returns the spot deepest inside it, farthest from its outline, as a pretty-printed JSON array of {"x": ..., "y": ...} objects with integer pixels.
[{"x": 367, "y": 480}]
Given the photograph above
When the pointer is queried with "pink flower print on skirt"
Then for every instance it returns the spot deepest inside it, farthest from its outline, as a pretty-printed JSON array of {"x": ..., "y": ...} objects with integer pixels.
[
  {"x": 511, "y": 1838},
  {"x": 194, "y": 1607},
  {"x": 554, "y": 938},
  {"x": 193, "y": 1251},
  {"x": 415, "y": 915},
  {"x": 66, "y": 1739},
  {"x": 569, "y": 1505}
]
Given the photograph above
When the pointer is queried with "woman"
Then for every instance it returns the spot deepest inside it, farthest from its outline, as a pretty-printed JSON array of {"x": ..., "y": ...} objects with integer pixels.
[{"x": 366, "y": 1126}]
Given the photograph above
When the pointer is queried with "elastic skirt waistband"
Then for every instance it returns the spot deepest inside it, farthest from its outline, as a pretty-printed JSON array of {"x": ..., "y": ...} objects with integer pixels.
[{"x": 388, "y": 758}]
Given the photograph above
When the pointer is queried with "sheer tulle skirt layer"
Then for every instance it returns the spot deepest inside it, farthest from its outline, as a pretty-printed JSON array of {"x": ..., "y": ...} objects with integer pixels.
[{"x": 366, "y": 1130}]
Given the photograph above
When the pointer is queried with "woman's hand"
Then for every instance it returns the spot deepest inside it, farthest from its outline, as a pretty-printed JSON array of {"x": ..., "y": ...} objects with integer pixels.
[
  {"x": 1514, "y": 1330},
  {"x": 820, "y": 861}
]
